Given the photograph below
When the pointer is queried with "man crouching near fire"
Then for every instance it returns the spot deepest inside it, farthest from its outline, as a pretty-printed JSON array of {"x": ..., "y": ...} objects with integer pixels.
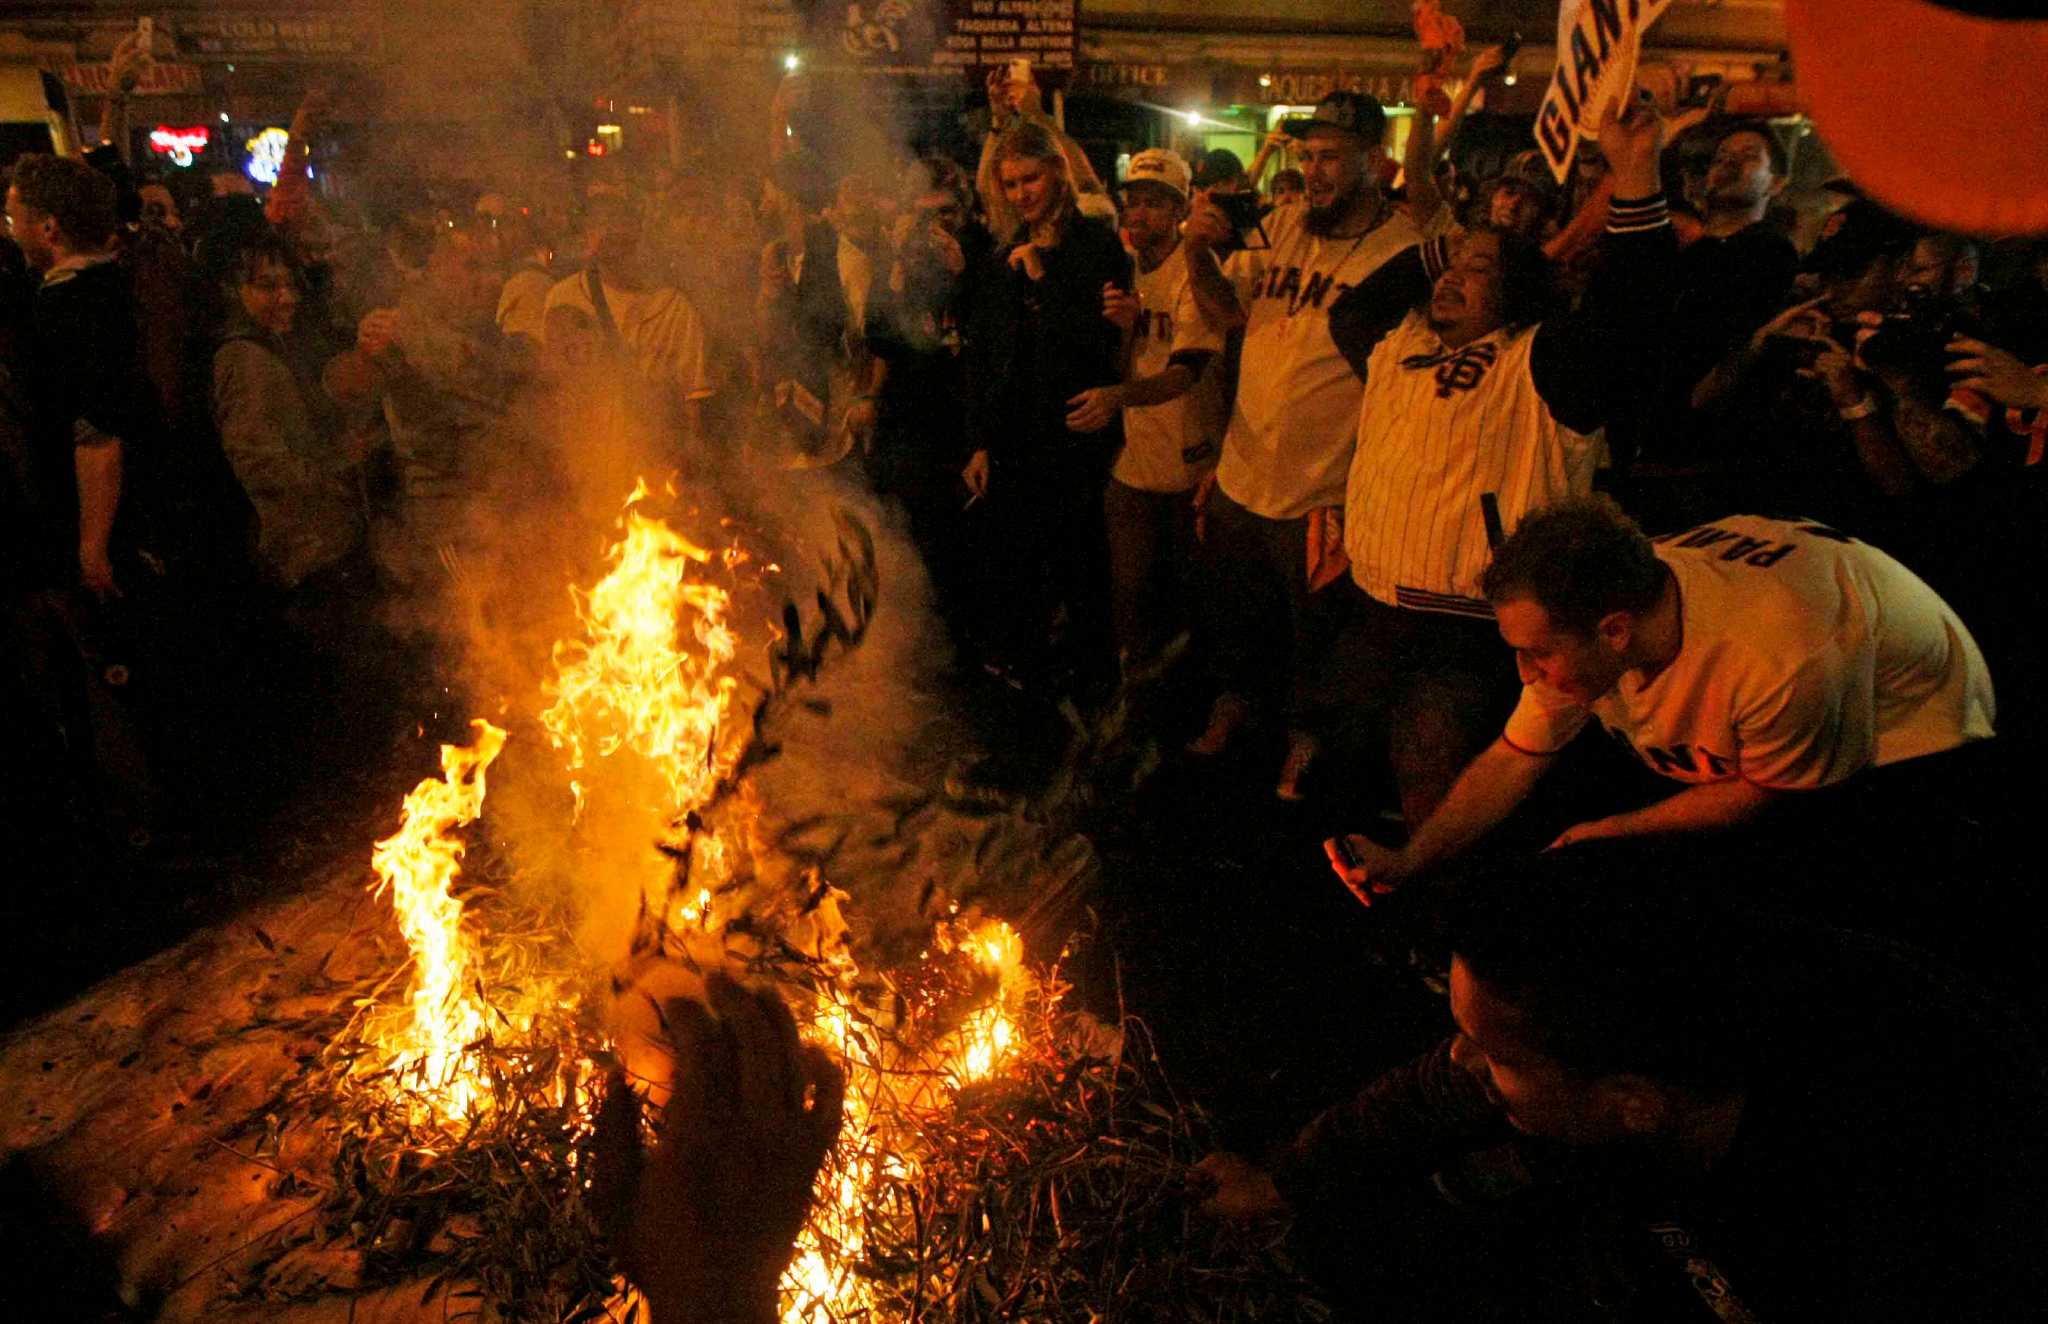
[
  {"x": 1657, "y": 1105},
  {"x": 1813, "y": 695}
]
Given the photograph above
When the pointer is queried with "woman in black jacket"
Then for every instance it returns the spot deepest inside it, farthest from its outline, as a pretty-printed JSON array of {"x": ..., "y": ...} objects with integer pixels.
[{"x": 1037, "y": 340}]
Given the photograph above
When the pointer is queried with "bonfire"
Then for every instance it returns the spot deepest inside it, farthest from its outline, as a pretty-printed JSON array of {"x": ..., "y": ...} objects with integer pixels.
[
  {"x": 648, "y": 681},
  {"x": 425, "y": 1151}
]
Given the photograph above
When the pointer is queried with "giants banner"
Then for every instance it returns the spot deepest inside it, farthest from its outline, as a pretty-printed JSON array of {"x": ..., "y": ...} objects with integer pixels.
[{"x": 1597, "y": 43}]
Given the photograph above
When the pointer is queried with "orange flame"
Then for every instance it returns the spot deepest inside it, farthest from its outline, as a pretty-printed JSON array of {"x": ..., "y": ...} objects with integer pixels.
[
  {"x": 418, "y": 864},
  {"x": 647, "y": 677},
  {"x": 629, "y": 684}
]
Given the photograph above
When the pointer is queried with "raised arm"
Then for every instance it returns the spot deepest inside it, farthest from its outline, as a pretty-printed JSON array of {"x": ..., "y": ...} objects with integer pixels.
[
  {"x": 1272, "y": 143},
  {"x": 291, "y": 200},
  {"x": 1580, "y": 361},
  {"x": 124, "y": 71},
  {"x": 1486, "y": 66},
  {"x": 1215, "y": 296},
  {"x": 1426, "y": 146},
  {"x": 1418, "y": 169}
]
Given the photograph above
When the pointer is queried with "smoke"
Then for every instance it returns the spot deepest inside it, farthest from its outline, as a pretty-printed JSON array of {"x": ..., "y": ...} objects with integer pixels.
[{"x": 502, "y": 102}]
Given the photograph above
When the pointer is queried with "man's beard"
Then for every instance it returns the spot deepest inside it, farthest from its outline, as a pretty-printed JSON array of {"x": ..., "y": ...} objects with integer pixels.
[
  {"x": 1324, "y": 221},
  {"x": 1732, "y": 197}
]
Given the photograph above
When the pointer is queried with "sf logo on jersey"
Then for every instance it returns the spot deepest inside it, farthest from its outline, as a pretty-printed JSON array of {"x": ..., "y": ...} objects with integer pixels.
[{"x": 1456, "y": 370}]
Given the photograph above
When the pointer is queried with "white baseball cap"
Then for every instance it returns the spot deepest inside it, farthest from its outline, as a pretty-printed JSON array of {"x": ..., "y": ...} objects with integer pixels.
[{"x": 1156, "y": 165}]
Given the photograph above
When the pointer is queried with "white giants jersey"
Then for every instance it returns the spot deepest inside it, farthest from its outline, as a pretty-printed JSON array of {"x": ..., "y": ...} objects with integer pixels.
[
  {"x": 1167, "y": 447},
  {"x": 1296, "y": 415},
  {"x": 1437, "y": 430},
  {"x": 1805, "y": 657}
]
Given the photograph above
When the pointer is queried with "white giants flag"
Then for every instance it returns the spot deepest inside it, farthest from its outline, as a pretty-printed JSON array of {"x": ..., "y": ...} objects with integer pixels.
[{"x": 1597, "y": 41}]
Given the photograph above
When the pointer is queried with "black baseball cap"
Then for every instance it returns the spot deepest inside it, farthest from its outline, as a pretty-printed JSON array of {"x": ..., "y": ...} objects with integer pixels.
[{"x": 1357, "y": 113}]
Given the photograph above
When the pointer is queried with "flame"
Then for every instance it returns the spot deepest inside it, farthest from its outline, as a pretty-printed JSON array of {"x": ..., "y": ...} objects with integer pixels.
[
  {"x": 628, "y": 684},
  {"x": 418, "y": 865},
  {"x": 821, "y": 1283},
  {"x": 647, "y": 678}
]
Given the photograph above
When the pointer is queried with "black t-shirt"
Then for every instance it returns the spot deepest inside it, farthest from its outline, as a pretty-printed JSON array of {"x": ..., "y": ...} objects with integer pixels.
[
  {"x": 920, "y": 332},
  {"x": 86, "y": 379},
  {"x": 1726, "y": 289}
]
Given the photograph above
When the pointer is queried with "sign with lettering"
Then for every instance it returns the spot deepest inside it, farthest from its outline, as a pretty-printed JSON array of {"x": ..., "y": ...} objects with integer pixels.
[
  {"x": 1289, "y": 87},
  {"x": 255, "y": 39},
  {"x": 984, "y": 32},
  {"x": 1596, "y": 64},
  {"x": 157, "y": 80},
  {"x": 719, "y": 33},
  {"x": 946, "y": 37},
  {"x": 1104, "y": 74},
  {"x": 182, "y": 146}
]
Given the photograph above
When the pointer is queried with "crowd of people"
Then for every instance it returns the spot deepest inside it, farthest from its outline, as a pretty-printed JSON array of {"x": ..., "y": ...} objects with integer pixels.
[{"x": 1451, "y": 467}]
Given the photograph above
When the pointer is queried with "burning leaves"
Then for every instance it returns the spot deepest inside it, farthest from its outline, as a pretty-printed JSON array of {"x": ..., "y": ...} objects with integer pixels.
[{"x": 991, "y": 1163}]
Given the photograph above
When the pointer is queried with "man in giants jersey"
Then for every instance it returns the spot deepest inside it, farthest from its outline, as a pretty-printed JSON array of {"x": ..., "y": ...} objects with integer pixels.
[
  {"x": 1171, "y": 402},
  {"x": 1272, "y": 508},
  {"x": 1467, "y": 398},
  {"x": 1748, "y": 659}
]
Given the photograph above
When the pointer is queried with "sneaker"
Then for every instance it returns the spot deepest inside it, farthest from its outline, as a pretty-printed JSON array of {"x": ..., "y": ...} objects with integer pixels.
[
  {"x": 1301, "y": 751},
  {"x": 1226, "y": 715}
]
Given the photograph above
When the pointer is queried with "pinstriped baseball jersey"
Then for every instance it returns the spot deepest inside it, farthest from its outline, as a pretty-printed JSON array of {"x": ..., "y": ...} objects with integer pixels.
[{"x": 1437, "y": 429}]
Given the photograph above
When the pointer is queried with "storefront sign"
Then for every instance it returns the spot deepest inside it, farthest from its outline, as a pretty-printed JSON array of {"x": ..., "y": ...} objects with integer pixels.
[
  {"x": 180, "y": 145},
  {"x": 716, "y": 32},
  {"x": 157, "y": 80},
  {"x": 1596, "y": 64},
  {"x": 329, "y": 37},
  {"x": 1101, "y": 76},
  {"x": 1298, "y": 88},
  {"x": 976, "y": 33},
  {"x": 945, "y": 37}
]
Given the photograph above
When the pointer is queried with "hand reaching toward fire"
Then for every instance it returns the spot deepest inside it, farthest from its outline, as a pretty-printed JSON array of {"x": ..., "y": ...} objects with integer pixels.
[
  {"x": 1367, "y": 868},
  {"x": 706, "y": 1226},
  {"x": 1233, "y": 1187}
]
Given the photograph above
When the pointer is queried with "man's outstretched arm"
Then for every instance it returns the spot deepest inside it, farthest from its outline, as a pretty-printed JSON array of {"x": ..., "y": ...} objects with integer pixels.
[{"x": 1487, "y": 791}]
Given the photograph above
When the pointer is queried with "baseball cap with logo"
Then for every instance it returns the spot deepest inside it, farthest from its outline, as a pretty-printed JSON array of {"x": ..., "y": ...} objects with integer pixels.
[
  {"x": 1156, "y": 165},
  {"x": 1949, "y": 125},
  {"x": 1358, "y": 113}
]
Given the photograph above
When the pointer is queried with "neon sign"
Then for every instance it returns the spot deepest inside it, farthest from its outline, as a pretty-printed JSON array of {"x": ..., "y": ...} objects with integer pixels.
[
  {"x": 181, "y": 145},
  {"x": 266, "y": 155}
]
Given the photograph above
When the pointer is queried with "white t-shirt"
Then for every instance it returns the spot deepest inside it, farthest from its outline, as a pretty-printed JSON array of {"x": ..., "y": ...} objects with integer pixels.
[
  {"x": 1436, "y": 430},
  {"x": 1295, "y": 421},
  {"x": 1168, "y": 447},
  {"x": 523, "y": 303},
  {"x": 659, "y": 327},
  {"x": 1806, "y": 657}
]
